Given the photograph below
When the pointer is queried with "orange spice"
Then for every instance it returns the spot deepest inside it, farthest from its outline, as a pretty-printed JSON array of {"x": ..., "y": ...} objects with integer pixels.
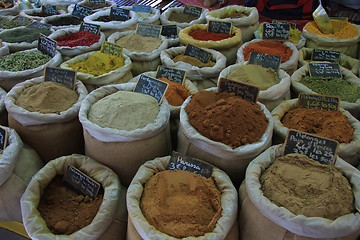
[
  {"x": 270, "y": 48},
  {"x": 176, "y": 93}
]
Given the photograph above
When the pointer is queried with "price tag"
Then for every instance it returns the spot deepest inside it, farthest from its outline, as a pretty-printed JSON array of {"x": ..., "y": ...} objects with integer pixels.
[
  {"x": 79, "y": 182},
  {"x": 36, "y": 24},
  {"x": 319, "y": 149},
  {"x": 46, "y": 45},
  {"x": 248, "y": 92},
  {"x": 186, "y": 163},
  {"x": 119, "y": 13},
  {"x": 89, "y": 27},
  {"x": 219, "y": 27},
  {"x": 21, "y": 18},
  {"x": 81, "y": 11},
  {"x": 172, "y": 74},
  {"x": 48, "y": 9},
  {"x": 276, "y": 31},
  {"x": 193, "y": 10},
  {"x": 169, "y": 31},
  {"x": 111, "y": 48},
  {"x": 325, "y": 55},
  {"x": 325, "y": 70},
  {"x": 267, "y": 61},
  {"x": 59, "y": 75},
  {"x": 202, "y": 55},
  {"x": 141, "y": 8},
  {"x": 147, "y": 30},
  {"x": 98, "y": 2},
  {"x": 151, "y": 86},
  {"x": 3, "y": 139},
  {"x": 292, "y": 25},
  {"x": 311, "y": 101}
]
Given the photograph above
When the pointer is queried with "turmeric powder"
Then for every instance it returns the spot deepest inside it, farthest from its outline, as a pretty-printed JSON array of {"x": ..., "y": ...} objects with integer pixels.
[
  {"x": 342, "y": 30},
  {"x": 176, "y": 93}
]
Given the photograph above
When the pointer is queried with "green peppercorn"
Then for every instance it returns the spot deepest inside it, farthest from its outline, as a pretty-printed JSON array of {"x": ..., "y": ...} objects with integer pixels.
[{"x": 24, "y": 60}]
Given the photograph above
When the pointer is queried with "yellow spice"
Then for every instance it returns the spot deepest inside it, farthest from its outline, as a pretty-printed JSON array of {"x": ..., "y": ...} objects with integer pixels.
[{"x": 342, "y": 30}]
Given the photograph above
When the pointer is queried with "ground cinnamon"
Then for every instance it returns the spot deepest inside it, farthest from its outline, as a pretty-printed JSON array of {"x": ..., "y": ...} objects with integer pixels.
[
  {"x": 270, "y": 48},
  {"x": 176, "y": 93}
]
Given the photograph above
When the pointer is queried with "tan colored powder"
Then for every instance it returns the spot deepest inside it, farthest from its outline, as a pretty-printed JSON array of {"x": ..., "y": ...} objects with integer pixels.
[
  {"x": 124, "y": 111},
  {"x": 193, "y": 61},
  {"x": 181, "y": 204},
  {"x": 138, "y": 43},
  {"x": 47, "y": 97},
  {"x": 181, "y": 17},
  {"x": 304, "y": 186}
]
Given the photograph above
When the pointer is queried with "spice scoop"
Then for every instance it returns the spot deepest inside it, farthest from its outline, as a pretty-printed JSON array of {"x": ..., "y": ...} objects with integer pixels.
[{"x": 322, "y": 20}]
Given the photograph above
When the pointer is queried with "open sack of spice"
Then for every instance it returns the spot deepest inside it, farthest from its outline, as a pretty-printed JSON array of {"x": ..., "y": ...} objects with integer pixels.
[
  {"x": 332, "y": 214},
  {"x": 7, "y": 22},
  {"x": 209, "y": 215},
  {"x": 38, "y": 14},
  {"x": 176, "y": 16},
  {"x": 95, "y": 7},
  {"x": 62, "y": 21},
  {"x": 152, "y": 17}
]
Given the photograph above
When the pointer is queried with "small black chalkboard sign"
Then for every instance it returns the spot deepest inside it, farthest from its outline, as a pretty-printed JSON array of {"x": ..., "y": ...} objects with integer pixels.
[
  {"x": 202, "y": 55},
  {"x": 3, "y": 139},
  {"x": 151, "y": 86},
  {"x": 119, "y": 13},
  {"x": 89, "y": 27},
  {"x": 325, "y": 55},
  {"x": 172, "y": 74},
  {"x": 220, "y": 27},
  {"x": 319, "y": 149},
  {"x": 36, "y": 24},
  {"x": 46, "y": 45},
  {"x": 59, "y": 75},
  {"x": 186, "y": 163},
  {"x": 111, "y": 48},
  {"x": 169, "y": 31},
  {"x": 50, "y": 9},
  {"x": 276, "y": 31},
  {"x": 148, "y": 30},
  {"x": 311, "y": 101},
  {"x": 79, "y": 182},
  {"x": 267, "y": 61},
  {"x": 193, "y": 10},
  {"x": 81, "y": 11},
  {"x": 21, "y": 18},
  {"x": 292, "y": 25},
  {"x": 318, "y": 69},
  {"x": 141, "y": 8},
  {"x": 245, "y": 91},
  {"x": 98, "y": 2}
]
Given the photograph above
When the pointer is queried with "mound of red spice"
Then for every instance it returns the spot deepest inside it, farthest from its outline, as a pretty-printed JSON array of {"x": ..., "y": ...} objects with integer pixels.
[
  {"x": 83, "y": 38},
  {"x": 204, "y": 35}
]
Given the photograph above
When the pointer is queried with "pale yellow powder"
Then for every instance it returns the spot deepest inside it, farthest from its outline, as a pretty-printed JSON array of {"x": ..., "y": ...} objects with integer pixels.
[{"x": 138, "y": 43}]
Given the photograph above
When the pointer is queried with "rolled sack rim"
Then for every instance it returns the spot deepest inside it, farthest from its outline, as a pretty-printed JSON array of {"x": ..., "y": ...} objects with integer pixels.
[
  {"x": 147, "y": 20},
  {"x": 164, "y": 17},
  {"x": 251, "y": 19}
]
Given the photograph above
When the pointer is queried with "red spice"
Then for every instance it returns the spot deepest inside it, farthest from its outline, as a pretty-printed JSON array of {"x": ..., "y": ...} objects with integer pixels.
[
  {"x": 83, "y": 38},
  {"x": 204, "y": 35},
  {"x": 270, "y": 48}
]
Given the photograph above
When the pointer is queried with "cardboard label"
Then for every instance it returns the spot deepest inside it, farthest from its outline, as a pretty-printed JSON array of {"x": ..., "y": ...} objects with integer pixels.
[
  {"x": 292, "y": 25},
  {"x": 264, "y": 60},
  {"x": 141, "y": 8},
  {"x": 172, "y": 74},
  {"x": 193, "y": 10},
  {"x": 151, "y": 86},
  {"x": 276, "y": 31},
  {"x": 147, "y": 30},
  {"x": 47, "y": 45},
  {"x": 3, "y": 139},
  {"x": 111, "y": 48},
  {"x": 59, "y": 75},
  {"x": 325, "y": 55},
  {"x": 319, "y": 149},
  {"x": 119, "y": 13},
  {"x": 170, "y": 31},
  {"x": 202, "y": 55},
  {"x": 81, "y": 183},
  {"x": 98, "y": 2},
  {"x": 21, "y": 18},
  {"x": 48, "y": 9},
  {"x": 325, "y": 70},
  {"x": 245, "y": 91},
  {"x": 81, "y": 11},
  {"x": 219, "y": 27},
  {"x": 311, "y": 101},
  {"x": 89, "y": 27},
  {"x": 36, "y": 24}
]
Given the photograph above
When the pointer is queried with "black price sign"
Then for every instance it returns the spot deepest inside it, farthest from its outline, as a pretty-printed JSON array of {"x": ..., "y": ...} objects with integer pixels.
[
  {"x": 324, "y": 70},
  {"x": 79, "y": 182},
  {"x": 3, "y": 139},
  {"x": 81, "y": 11},
  {"x": 292, "y": 25},
  {"x": 98, "y": 2},
  {"x": 169, "y": 31},
  {"x": 202, "y": 55},
  {"x": 21, "y": 18},
  {"x": 311, "y": 101},
  {"x": 89, "y": 27},
  {"x": 264, "y": 60},
  {"x": 36, "y": 24},
  {"x": 248, "y": 92},
  {"x": 276, "y": 31},
  {"x": 319, "y": 149},
  {"x": 47, "y": 45},
  {"x": 119, "y": 13},
  {"x": 186, "y": 163},
  {"x": 151, "y": 86},
  {"x": 219, "y": 27},
  {"x": 325, "y": 55},
  {"x": 193, "y": 10},
  {"x": 172, "y": 74},
  {"x": 59, "y": 75},
  {"x": 48, "y": 9},
  {"x": 111, "y": 48},
  {"x": 147, "y": 30},
  {"x": 141, "y": 8}
]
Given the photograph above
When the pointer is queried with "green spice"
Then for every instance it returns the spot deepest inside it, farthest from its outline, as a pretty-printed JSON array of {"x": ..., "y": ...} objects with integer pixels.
[
  {"x": 23, "y": 34},
  {"x": 24, "y": 60},
  {"x": 334, "y": 87},
  {"x": 6, "y": 23}
]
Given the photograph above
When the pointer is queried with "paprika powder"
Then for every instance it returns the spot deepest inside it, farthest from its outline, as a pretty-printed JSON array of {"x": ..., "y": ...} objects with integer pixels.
[
  {"x": 270, "y": 48},
  {"x": 176, "y": 93},
  {"x": 203, "y": 35},
  {"x": 83, "y": 38}
]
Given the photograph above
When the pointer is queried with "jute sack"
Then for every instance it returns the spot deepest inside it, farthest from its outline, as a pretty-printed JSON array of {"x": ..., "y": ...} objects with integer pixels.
[
  {"x": 119, "y": 75},
  {"x": 141, "y": 61},
  {"x": 35, "y": 225},
  {"x": 9, "y": 79},
  {"x": 348, "y": 76},
  {"x": 3, "y": 112},
  {"x": 30, "y": 13},
  {"x": 247, "y": 24},
  {"x": 228, "y": 46},
  {"x": 229, "y": 204},
  {"x": 124, "y": 151},
  {"x": 345, "y": 61},
  {"x": 203, "y": 77},
  {"x": 272, "y": 96},
  {"x": 51, "y": 135},
  {"x": 18, "y": 163},
  {"x": 154, "y": 19},
  {"x": 48, "y": 20},
  {"x": 232, "y": 161},
  {"x": 288, "y": 66},
  {"x": 347, "y": 151},
  {"x": 4, "y": 49},
  {"x": 100, "y": 7},
  {"x": 261, "y": 219},
  {"x": 164, "y": 17}
]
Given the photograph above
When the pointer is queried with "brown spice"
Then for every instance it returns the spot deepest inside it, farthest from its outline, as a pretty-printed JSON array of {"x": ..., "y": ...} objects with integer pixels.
[
  {"x": 176, "y": 93},
  {"x": 106, "y": 19},
  {"x": 193, "y": 61},
  {"x": 181, "y": 17}
]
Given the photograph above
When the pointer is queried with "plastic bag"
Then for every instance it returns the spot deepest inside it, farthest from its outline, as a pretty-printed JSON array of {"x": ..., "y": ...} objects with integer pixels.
[{"x": 164, "y": 17}]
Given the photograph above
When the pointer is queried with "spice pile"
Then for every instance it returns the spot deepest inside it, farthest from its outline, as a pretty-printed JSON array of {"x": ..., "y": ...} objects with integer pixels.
[
  {"x": 235, "y": 15},
  {"x": 270, "y": 48},
  {"x": 24, "y": 60},
  {"x": 138, "y": 43},
  {"x": 342, "y": 30},
  {"x": 193, "y": 61},
  {"x": 83, "y": 38},
  {"x": 65, "y": 21},
  {"x": 203, "y": 35},
  {"x": 176, "y": 93},
  {"x": 94, "y": 6},
  {"x": 106, "y": 19},
  {"x": 7, "y": 23},
  {"x": 19, "y": 35},
  {"x": 181, "y": 17}
]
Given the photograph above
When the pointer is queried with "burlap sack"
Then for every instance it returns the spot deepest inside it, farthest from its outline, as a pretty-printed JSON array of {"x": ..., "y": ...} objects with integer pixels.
[
  {"x": 164, "y": 17},
  {"x": 29, "y": 13},
  {"x": 4, "y": 49},
  {"x": 297, "y": 87},
  {"x": 229, "y": 204},
  {"x": 47, "y": 20},
  {"x": 141, "y": 61},
  {"x": 202, "y": 78},
  {"x": 232, "y": 161},
  {"x": 228, "y": 46},
  {"x": 124, "y": 151},
  {"x": 272, "y": 96},
  {"x": 109, "y": 4},
  {"x": 247, "y": 24},
  {"x": 289, "y": 66},
  {"x": 261, "y": 219},
  {"x": 154, "y": 19},
  {"x": 18, "y": 163},
  {"x": 51, "y": 135},
  {"x": 36, "y": 226}
]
